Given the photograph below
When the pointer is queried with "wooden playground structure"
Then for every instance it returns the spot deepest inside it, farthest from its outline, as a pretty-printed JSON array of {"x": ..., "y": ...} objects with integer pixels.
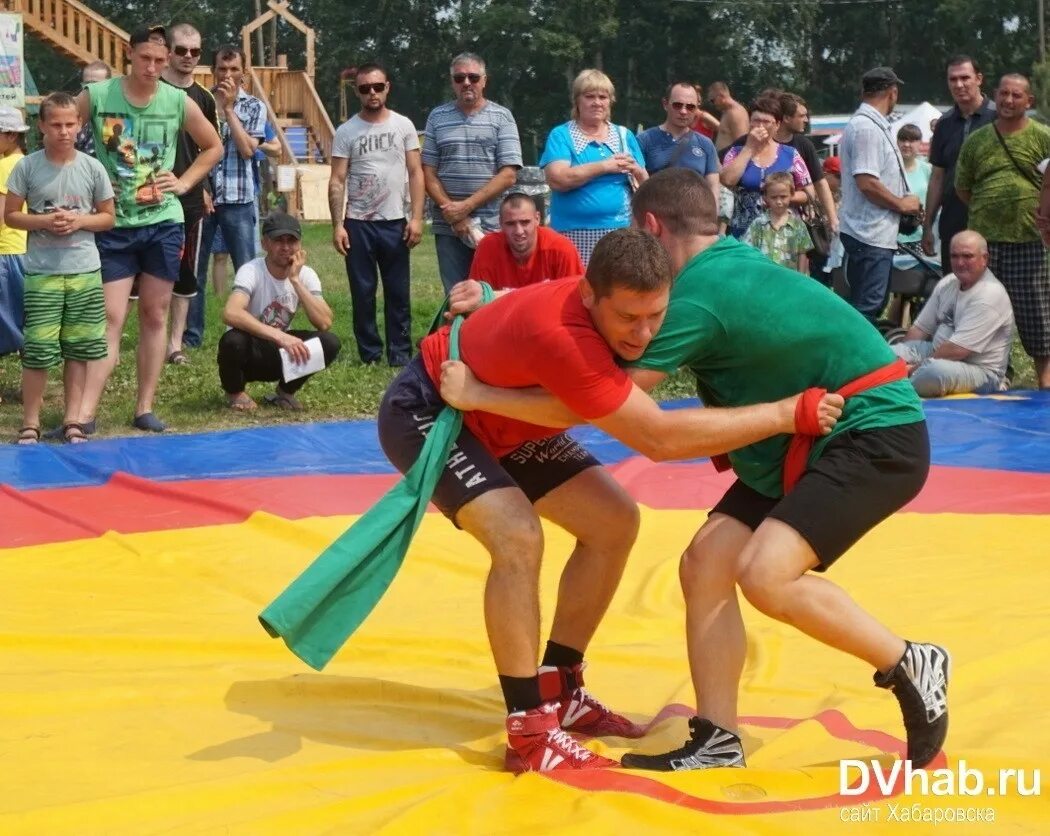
[{"x": 304, "y": 130}]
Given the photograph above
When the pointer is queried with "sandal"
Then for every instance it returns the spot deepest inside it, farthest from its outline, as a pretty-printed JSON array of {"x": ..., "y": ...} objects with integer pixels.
[
  {"x": 28, "y": 435},
  {"x": 73, "y": 433},
  {"x": 241, "y": 402},
  {"x": 285, "y": 401},
  {"x": 177, "y": 358}
]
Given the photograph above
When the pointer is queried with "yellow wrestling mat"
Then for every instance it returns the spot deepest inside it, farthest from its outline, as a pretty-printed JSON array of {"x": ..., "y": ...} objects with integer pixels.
[{"x": 140, "y": 694}]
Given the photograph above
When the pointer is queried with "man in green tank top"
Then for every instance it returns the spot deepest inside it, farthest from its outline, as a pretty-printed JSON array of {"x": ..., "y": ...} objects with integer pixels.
[{"x": 136, "y": 121}]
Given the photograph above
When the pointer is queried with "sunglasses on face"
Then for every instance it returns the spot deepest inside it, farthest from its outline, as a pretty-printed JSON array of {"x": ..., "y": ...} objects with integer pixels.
[
  {"x": 375, "y": 87},
  {"x": 684, "y": 106},
  {"x": 183, "y": 51},
  {"x": 473, "y": 78}
]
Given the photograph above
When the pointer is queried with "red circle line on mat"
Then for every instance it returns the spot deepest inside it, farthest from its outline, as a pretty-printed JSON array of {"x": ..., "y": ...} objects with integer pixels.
[{"x": 834, "y": 722}]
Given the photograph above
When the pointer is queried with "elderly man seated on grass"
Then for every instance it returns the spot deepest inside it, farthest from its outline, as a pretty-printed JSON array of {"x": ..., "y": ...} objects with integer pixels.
[
  {"x": 267, "y": 292},
  {"x": 961, "y": 340}
]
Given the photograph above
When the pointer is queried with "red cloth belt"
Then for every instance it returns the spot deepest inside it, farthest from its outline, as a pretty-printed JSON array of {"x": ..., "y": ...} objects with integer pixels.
[{"x": 807, "y": 425}]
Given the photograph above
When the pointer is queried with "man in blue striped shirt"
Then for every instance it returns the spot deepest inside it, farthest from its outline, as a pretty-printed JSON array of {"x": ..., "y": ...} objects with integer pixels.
[{"x": 471, "y": 154}]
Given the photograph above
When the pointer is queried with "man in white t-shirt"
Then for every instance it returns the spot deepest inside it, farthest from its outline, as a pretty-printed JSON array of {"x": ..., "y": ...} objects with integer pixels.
[
  {"x": 375, "y": 161},
  {"x": 961, "y": 339},
  {"x": 267, "y": 292}
]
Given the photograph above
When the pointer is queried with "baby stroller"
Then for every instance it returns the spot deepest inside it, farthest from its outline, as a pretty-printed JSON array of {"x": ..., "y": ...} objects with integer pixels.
[{"x": 910, "y": 287}]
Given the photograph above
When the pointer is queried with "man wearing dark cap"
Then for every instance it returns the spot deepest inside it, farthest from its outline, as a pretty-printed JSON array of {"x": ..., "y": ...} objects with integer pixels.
[
  {"x": 136, "y": 122},
  {"x": 266, "y": 294},
  {"x": 874, "y": 194}
]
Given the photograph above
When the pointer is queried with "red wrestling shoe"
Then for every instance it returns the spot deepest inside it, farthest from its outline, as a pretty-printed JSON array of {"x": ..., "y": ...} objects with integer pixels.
[
  {"x": 580, "y": 712},
  {"x": 537, "y": 743}
]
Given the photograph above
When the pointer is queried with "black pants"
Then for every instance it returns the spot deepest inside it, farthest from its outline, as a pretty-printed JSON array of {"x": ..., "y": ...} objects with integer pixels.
[
  {"x": 952, "y": 220},
  {"x": 377, "y": 248},
  {"x": 243, "y": 357}
]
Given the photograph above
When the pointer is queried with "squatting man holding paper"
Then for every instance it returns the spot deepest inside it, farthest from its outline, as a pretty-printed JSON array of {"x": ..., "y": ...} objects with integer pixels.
[{"x": 267, "y": 292}]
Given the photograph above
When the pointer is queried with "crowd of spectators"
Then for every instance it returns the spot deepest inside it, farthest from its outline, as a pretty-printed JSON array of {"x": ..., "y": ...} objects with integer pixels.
[{"x": 176, "y": 201}]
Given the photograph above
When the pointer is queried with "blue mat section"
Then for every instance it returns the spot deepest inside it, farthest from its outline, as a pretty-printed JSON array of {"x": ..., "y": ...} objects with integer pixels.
[
  {"x": 990, "y": 433},
  {"x": 987, "y": 433}
]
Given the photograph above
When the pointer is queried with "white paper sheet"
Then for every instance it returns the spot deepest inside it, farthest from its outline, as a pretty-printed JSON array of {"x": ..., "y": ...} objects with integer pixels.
[{"x": 293, "y": 370}]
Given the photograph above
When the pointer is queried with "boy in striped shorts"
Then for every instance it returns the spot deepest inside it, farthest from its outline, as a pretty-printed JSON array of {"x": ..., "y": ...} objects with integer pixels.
[{"x": 69, "y": 198}]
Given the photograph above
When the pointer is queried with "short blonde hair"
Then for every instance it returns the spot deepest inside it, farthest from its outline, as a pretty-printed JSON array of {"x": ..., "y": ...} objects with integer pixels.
[{"x": 589, "y": 81}]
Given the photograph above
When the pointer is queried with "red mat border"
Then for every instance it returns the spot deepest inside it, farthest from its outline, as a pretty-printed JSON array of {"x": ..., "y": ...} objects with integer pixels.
[{"x": 130, "y": 504}]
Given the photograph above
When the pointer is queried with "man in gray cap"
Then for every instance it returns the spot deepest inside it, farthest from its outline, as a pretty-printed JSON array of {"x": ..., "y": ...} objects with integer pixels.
[
  {"x": 874, "y": 194},
  {"x": 267, "y": 292}
]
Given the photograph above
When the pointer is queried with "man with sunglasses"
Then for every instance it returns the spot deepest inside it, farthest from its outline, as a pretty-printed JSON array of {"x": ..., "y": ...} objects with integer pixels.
[
  {"x": 471, "y": 154},
  {"x": 242, "y": 122},
  {"x": 675, "y": 144},
  {"x": 197, "y": 202},
  {"x": 375, "y": 162}
]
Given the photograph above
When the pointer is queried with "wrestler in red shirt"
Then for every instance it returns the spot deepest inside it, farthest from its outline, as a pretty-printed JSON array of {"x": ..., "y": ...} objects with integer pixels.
[{"x": 503, "y": 475}]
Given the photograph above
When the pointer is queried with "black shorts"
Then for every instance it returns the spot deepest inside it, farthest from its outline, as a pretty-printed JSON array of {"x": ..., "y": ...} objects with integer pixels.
[
  {"x": 860, "y": 479},
  {"x": 186, "y": 284},
  {"x": 409, "y": 408}
]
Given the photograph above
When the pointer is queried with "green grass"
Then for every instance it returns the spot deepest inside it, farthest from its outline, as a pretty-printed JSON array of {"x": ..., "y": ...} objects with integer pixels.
[{"x": 190, "y": 399}]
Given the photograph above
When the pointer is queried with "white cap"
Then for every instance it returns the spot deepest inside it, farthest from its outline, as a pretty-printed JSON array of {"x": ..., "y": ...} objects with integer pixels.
[{"x": 11, "y": 121}]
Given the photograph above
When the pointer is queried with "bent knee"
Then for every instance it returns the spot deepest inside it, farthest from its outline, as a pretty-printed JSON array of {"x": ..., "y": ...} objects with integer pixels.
[
  {"x": 623, "y": 522},
  {"x": 330, "y": 346},
  {"x": 928, "y": 385},
  {"x": 765, "y": 593},
  {"x": 520, "y": 542},
  {"x": 706, "y": 570}
]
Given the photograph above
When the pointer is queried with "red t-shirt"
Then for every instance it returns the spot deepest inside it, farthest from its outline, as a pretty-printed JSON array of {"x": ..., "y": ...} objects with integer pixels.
[
  {"x": 541, "y": 335},
  {"x": 555, "y": 257},
  {"x": 702, "y": 128}
]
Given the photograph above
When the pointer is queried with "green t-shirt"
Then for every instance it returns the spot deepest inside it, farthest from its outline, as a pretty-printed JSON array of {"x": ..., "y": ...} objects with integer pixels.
[
  {"x": 135, "y": 144},
  {"x": 1002, "y": 201},
  {"x": 752, "y": 331}
]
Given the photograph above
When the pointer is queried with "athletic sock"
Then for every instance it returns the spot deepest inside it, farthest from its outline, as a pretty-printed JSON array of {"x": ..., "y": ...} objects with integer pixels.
[
  {"x": 520, "y": 693},
  {"x": 560, "y": 656}
]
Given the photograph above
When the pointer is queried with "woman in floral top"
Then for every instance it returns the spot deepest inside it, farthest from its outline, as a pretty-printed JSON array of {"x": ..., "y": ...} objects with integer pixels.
[{"x": 745, "y": 167}]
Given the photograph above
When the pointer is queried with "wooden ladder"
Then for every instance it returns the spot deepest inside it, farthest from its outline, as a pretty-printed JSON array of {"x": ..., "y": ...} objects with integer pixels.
[{"x": 73, "y": 30}]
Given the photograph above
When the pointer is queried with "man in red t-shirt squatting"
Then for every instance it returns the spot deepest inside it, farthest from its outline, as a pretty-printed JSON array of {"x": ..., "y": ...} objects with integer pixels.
[
  {"x": 503, "y": 475},
  {"x": 523, "y": 251}
]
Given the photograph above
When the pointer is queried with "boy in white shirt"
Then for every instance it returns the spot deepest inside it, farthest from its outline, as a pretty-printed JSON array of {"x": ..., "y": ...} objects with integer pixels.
[{"x": 267, "y": 292}]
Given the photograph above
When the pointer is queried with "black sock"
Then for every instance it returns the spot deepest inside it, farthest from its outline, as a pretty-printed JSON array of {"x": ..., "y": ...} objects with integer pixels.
[
  {"x": 560, "y": 656},
  {"x": 520, "y": 693}
]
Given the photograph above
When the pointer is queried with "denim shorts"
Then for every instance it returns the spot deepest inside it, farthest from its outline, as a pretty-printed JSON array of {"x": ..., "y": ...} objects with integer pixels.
[{"x": 155, "y": 249}]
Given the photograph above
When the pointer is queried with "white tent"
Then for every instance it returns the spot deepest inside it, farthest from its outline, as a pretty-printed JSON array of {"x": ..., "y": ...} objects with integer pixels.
[{"x": 921, "y": 116}]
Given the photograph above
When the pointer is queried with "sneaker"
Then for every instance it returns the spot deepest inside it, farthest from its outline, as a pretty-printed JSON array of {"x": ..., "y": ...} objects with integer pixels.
[
  {"x": 710, "y": 746},
  {"x": 919, "y": 681},
  {"x": 148, "y": 422},
  {"x": 580, "y": 712},
  {"x": 536, "y": 743}
]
